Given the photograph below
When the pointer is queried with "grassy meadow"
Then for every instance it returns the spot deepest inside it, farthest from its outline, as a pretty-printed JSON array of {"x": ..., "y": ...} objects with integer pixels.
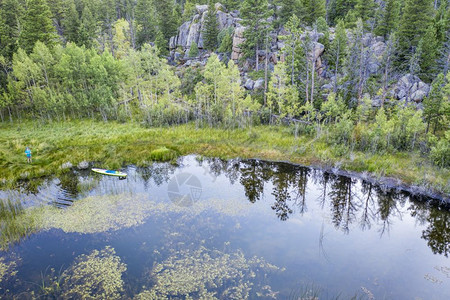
[{"x": 58, "y": 146}]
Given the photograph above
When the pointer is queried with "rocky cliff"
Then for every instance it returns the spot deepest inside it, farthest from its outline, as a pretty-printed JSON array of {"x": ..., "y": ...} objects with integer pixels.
[{"x": 409, "y": 88}]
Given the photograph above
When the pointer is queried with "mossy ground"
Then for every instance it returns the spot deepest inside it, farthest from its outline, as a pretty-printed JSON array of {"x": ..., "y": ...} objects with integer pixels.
[{"x": 113, "y": 145}]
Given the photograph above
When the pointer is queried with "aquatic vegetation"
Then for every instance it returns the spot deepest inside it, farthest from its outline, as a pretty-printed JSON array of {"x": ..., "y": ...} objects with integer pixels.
[
  {"x": 15, "y": 222},
  {"x": 207, "y": 274},
  {"x": 7, "y": 269},
  {"x": 99, "y": 214},
  {"x": 113, "y": 212},
  {"x": 94, "y": 276},
  {"x": 86, "y": 185}
]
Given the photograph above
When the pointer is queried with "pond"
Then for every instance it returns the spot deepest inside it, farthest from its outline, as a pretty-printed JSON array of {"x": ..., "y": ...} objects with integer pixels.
[{"x": 210, "y": 228}]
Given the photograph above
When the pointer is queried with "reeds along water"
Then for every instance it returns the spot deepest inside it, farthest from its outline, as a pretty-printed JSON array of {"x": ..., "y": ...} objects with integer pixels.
[{"x": 15, "y": 224}]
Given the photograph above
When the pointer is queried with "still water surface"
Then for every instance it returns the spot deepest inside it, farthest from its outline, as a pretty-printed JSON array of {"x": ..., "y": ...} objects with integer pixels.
[{"x": 280, "y": 230}]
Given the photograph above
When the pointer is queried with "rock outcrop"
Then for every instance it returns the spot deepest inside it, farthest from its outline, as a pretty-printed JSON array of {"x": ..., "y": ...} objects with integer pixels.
[
  {"x": 192, "y": 31},
  {"x": 373, "y": 50},
  {"x": 410, "y": 89},
  {"x": 238, "y": 40}
]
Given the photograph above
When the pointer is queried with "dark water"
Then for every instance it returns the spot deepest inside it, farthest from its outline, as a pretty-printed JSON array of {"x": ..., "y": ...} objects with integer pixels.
[{"x": 327, "y": 233}]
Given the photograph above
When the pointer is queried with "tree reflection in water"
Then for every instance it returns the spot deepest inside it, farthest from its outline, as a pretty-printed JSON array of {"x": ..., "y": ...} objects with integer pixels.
[
  {"x": 437, "y": 233},
  {"x": 253, "y": 178},
  {"x": 351, "y": 201}
]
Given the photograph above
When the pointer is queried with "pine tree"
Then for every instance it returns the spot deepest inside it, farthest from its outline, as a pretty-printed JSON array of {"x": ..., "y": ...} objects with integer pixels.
[
  {"x": 313, "y": 10},
  {"x": 289, "y": 8},
  {"x": 188, "y": 11},
  {"x": 415, "y": 21},
  {"x": 193, "y": 50},
  {"x": 338, "y": 51},
  {"x": 433, "y": 103},
  {"x": 365, "y": 9},
  {"x": 444, "y": 55},
  {"x": 167, "y": 18},
  {"x": 255, "y": 14},
  {"x": 161, "y": 43},
  {"x": 226, "y": 44},
  {"x": 38, "y": 26},
  {"x": 86, "y": 34},
  {"x": 145, "y": 22},
  {"x": 11, "y": 15},
  {"x": 388, "y": 20},
  {"x": 414, "y": 59},
  {"x": 429, "y": 54},
  {"x": 342, "y": 8},
  {"x": 71, "y": 22},
  {"x": 57, "y": 7},
  {"x": 211, "y": 29},
  {"x": 232, "y": 4}
]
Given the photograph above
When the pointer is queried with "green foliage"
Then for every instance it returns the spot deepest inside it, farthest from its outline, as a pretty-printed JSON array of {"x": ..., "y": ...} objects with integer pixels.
[
  {"x": 313, "y": 10},
  {"x": 429, "y": 45},
  {"x": 388, "y": 19},
  {"x": 338, "y": 49},
  {"x": 188, "y": 10},
  {"x": 290, "y": 8},
  {"x": 88, "y": 27},
  {"x": 436, "y": 104},
  {"x": 365, "y": 9},
  {"x": 332, "y": 109},
  {"x": 193, "y": 50},
  {"x": 167, "y": 18},
  {"x": 232, "y": 4},
  {"x": 211, "y": 28},
  {"x": 255, "y": 14},
  {"x": 145, "y": 22},
  {"x": 414, "y": 23},
  {"x": 225, "y": 40},
  {"x": 189, "y": 78},
  {"x": 218, "y": 98},
  {"x": 161, "y": 43},
  {"x": 282, "y": 98},
  {"x": 71, "y": 22},
  {"x": 37, "y": 25},
  {"x": 163, "y": 154},
  {"x": 341, "y": 8},
  {"x": 440, "y": 154},
  {"x": 11, "y": 16}
]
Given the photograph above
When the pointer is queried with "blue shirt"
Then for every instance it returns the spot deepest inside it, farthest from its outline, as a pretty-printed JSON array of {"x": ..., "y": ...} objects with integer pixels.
[{"x": 28, "y": 152}]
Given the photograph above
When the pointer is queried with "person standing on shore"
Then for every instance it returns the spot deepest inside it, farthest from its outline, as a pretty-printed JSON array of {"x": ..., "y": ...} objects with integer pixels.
[{"x": 28, "y": 154}]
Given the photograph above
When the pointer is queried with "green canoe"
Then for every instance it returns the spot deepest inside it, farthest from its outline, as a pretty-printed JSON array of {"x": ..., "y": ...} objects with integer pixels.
[{"x": 110, "y": 172}]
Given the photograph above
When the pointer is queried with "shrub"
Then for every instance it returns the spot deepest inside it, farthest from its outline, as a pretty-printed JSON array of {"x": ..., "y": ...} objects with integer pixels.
[{"x": 440, "y": 154}]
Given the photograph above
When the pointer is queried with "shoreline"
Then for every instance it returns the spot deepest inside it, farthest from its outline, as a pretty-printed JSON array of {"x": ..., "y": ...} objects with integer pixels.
[
  {"x": 384, "y": 182},
  {"x": 59, "y": 145}
]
